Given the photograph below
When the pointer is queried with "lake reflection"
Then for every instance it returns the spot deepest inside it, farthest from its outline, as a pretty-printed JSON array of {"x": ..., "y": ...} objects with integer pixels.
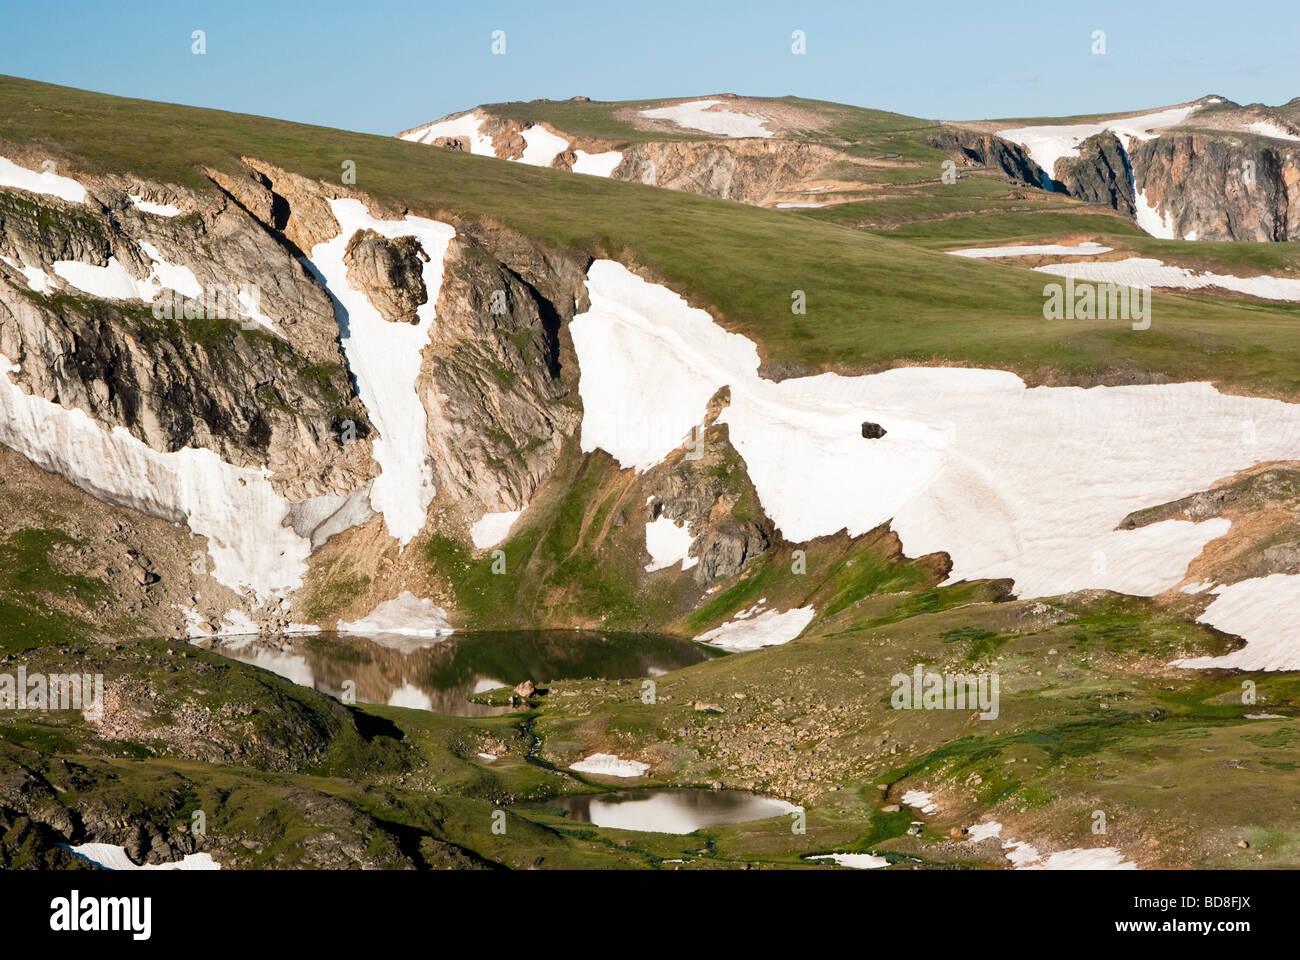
[
  {"x": 440, "y": 673},
  {"x": 669, "y": 810}
]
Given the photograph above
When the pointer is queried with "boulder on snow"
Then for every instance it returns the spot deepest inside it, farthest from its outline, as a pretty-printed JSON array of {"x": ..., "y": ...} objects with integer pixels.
[{"x": 389, "y": 272}]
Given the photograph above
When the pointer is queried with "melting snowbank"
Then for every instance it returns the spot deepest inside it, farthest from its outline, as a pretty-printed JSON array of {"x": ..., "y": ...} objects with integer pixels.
[
  {"x": 596, "y": 164},
  {"x": 858, "y": 861},
  {"x": 1086, "y": 249},
  {"x": 234, "y": 507},
  {"x": 541, "y": 146},
  {"x": 110, "y": 856},
  {"x": 1148, "y": 272},
  {"x": 751, "y": 630},
  {"x": 113, "y": 282},
  {"x": 609, "y": 765},
  {"x": 1267, "y": 129},
  {"x": 405, "y": 615},
  {"x": 466, "y": 125},
  {"x": 37, "y": 279},
  {"x": 1151, "y": 219},
  {"x": 697, "y": 115},
  {"x": 1080, "y": 858},
  {"x": 234, "y": 623},
  {"x": 47, "y": 182},
  {"x": 385, "y": 359},
  {"x": 982, "y": 831},
  {"x": 492, "y": 528},
  {"x": 1010, "y": 481},
  {"x": 920, "y": 800},
  {"x": 157, "y": 209},
  {"x": 1251, "y": 609},
  {"x": 667, "y": 543},
  {"x": 1025, "y": 856}
]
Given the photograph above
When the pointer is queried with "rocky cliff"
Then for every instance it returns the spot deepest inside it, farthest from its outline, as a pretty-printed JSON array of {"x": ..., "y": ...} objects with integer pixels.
[
  {"x": 105, "y": 309},
  {"x": 991, "y": 151},
  {"x": 750, "y": 171},
  {"x": 1215, "y": 187}
]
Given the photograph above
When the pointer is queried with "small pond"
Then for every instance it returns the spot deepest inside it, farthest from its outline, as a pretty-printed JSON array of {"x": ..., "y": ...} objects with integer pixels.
[
  {"x": 441, "y": 673},
  {"x": 669, "y": 810}
]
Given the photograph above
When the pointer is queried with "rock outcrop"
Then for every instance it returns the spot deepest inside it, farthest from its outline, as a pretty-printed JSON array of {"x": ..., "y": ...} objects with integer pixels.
[
  {"x": 1100, "y": 174},
  {"x": 389, "y": 272},
  {"x": 207, "y": 373},
  {"x": 750, "y": 171},
  {"x": 988, "y": 150},
  {"x": 499, "y": 394},
  {"x": 1221, "y": 187},
  {"x": 705, "y": 486}
]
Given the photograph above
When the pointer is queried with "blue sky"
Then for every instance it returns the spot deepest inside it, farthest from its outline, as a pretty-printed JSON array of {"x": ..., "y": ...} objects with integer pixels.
[{"x": 380, "y": 65}]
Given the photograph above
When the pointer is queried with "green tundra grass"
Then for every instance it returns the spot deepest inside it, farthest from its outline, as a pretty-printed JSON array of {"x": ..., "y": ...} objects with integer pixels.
[{"x": 872, "y": 301}]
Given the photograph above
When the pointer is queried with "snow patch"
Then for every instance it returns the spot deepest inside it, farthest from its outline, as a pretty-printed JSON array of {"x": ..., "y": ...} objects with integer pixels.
[
  {"x": 596, "y": 164},
  {"x": 1148, "y": 272},
  {"x": 157, "y": 209},
  {"x": 698, "y": 115},
  {"x": 37, "y": 279},
  {"x": 385, "y": 359},
  {"x": 767, "y": 629},
  {"x": 1080, "y": 858},
  {"x": 110, "y": 856},
  {"x": 406, "y": 615},
  {"x": 113, "y": 282},
  {"x": 1086, "y": 249},
  {"x": 47, "y": 182},
  {"x": 1266, "y": 129},
  {"x": 982, "y": 831},
  {"x": 1151, "y": 219},
  {"x": 1251, "y": 609},
  {"x": 1010, "y": 481},
  {"x": 466, "y": 125},
  {"x": 110, "y": 282},
  {"x": 920, "y": 800},
  {"x": 858, "y": 861},
  {"x": 234, "y": 507},
  {"x": 196, "y": 625},
  {"x": 609, "y": 765},
  {"x": 541, "y": 146},
  {"x": 492, "y": 528},
  {"x": 667, "y": 543}
]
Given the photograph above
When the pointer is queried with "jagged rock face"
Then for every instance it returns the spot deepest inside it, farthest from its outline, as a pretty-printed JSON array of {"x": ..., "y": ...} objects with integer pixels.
[
  {"x": 991, "y": 151},
  {"x": 750, "y": 171},
  {"x": 1220, "y": 187},
  {"x": 389, "y": 273},
  {"x": 1100, "y": 174},
  {"x": 291, "y": 207},
  {"x": 703, "y": 485},
  {"x": 498, "y": 394},
  {"x": 250, "y": 396}
]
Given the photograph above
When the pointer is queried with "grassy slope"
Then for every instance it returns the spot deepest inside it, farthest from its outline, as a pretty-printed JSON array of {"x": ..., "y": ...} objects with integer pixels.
[
  {"x": 872, "y": 301},
  {"x": 605, "y": 120}
]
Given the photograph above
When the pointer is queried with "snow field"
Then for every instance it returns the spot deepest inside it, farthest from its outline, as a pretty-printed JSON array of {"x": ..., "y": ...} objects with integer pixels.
[{"x": 385, "y": 359}]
